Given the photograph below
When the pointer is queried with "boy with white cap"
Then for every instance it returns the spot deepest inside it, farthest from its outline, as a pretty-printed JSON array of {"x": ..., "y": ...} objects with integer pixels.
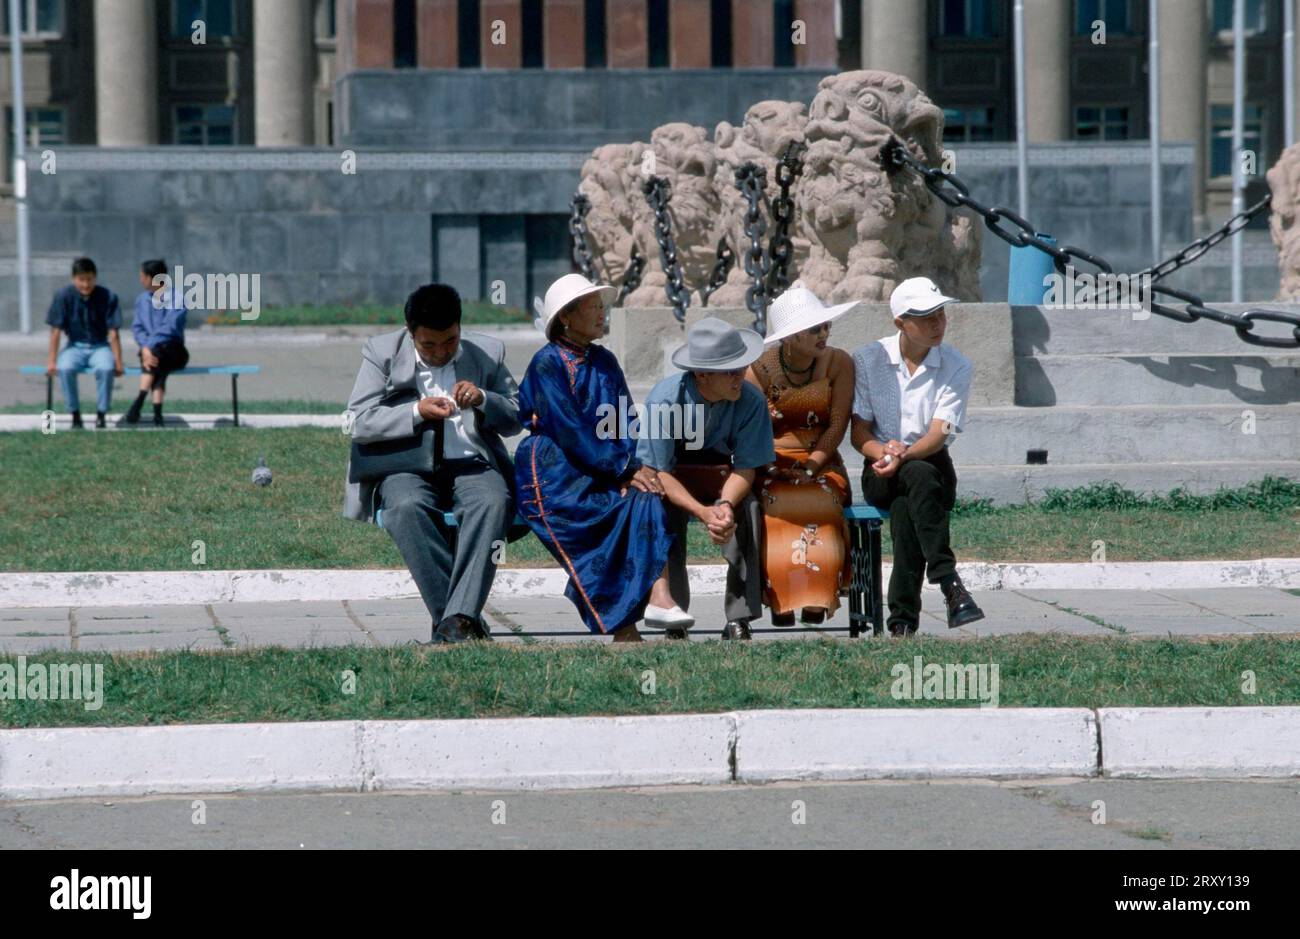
[{"x": 909, "y": 404}]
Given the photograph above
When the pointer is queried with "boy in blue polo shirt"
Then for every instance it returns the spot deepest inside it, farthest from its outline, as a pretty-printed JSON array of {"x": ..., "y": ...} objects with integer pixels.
[
  {"x": 90, "y": 316},
  {"x": 159, "y": 330}
]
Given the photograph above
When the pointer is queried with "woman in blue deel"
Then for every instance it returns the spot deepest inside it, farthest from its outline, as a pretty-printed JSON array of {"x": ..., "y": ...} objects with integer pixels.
[{"x": 580, "y": 486}]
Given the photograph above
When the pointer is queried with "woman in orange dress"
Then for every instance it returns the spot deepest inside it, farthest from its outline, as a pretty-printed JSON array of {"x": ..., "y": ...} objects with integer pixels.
[{"x": 809, "y": 389}]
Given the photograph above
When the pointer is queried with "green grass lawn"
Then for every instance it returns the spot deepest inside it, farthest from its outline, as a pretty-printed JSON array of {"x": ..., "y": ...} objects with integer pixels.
[
  {"x": 408, "y": 682},
  {"x": 474, "y": 313},
  {"x": 79, "y": 502}
]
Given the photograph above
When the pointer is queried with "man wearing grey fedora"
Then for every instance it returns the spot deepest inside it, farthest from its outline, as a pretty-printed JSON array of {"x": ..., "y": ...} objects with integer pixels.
[
  {"x": 707, "y": 431},
  {"x": 428, "y": 412}
]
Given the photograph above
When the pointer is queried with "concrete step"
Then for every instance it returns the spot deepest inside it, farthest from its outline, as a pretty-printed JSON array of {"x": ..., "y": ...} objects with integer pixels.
[
  {"x": 1249, "y": 377},
  {"x": 1123, "y": 433},
  {"x": 1050, "y": 331},
  {"x": 1014, "y": 485}
]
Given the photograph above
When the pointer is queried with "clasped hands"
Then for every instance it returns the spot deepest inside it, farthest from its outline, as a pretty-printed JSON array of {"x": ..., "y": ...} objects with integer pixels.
[{"x": 885, "y": 466}]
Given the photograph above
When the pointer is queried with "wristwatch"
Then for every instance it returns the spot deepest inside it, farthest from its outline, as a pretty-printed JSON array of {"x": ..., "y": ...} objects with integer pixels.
[{"x": 726, "y": 502}]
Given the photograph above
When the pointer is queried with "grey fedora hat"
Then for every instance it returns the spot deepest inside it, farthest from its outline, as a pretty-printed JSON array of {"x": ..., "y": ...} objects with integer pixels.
[{"x": 713, "y": 345}]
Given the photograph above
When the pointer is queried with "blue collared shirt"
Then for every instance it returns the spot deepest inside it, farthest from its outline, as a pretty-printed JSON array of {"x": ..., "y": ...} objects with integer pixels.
[
  {"x": 85, "y": 320},
  {"x": 166, "y": 323},
  {"x": 742, "y": 428}
]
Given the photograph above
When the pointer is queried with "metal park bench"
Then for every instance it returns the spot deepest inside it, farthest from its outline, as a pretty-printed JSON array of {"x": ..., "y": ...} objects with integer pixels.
[
  {"x": 866, "y": 601},
  {"x": 234, "y": 371}
]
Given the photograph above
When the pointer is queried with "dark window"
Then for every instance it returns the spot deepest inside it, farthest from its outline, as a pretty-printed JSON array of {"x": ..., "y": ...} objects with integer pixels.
[
  {"x": 1256, "y": 16},
  {"x": 46, "y": 14},
  {"x": 973, "y": 19},
  {"x": 594, "y": 27},
  {"x": 1252, "y": 124},
  {"x": 218, "y": 18},
  {"x": 467, "y": 41},
  {"x": 967, "y": 124},
  {"x": 1098, "y": 122},
  {"x": 530, "y": 18},
  {"x": 1116, "y": 14},
  {"x": 782, "y": 33},
  {"x": 657, "y": 32},
  {"x": 404, "y": 40},
  {"x": 205, "y": 125},
  {"x": 326, "y": 14},
  {"x": 45, "y": 127},
  {"x": 720, "y": 33}
]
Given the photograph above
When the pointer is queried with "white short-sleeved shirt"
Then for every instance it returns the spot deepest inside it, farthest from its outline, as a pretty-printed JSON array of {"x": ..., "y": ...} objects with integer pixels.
[{"x": 901, "y": 406}]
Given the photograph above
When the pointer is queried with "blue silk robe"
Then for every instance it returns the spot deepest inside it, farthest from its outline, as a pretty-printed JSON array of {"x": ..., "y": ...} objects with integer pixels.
[{"x": 613, "y": 547}]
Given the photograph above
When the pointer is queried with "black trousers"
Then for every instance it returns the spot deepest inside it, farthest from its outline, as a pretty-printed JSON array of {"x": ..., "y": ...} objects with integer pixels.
[
  {"x": 172, "y": 357},
  {"x": 919, "y": 498}
]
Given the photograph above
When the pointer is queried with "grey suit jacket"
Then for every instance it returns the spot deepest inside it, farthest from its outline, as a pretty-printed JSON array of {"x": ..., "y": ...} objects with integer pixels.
[{"x": 386, "y": 388}]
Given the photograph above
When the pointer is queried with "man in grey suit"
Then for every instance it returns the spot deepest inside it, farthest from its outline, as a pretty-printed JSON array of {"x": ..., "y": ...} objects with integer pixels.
[{"x": 428, "y": 375}]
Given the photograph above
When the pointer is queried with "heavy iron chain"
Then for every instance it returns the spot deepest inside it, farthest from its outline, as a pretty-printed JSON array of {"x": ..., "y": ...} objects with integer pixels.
[
  {"x": 657, "y": 193},
  {"x": 582, "y": 256},
  {"x": 751, "y": 180},
  {"x": 895, "y": 155},
  {"x": 631, "y": 276},
  {"x": 721, "y": 268},
  {"x": 781, "y": 248}
]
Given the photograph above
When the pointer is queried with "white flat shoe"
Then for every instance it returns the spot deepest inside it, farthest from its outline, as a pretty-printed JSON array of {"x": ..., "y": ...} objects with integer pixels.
[{"x": 673, "y": 617}]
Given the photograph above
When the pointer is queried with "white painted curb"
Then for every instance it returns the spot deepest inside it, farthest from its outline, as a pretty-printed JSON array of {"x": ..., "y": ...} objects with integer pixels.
[
  {"x": 14, "y": 423},
  {"x": 152, "y": 588},
  {"x": 910, "y": 742},
  {"x": 548, "y": 753},
  {"x": 597, "y": 752},
  {"x": 1224, "y": 742}
]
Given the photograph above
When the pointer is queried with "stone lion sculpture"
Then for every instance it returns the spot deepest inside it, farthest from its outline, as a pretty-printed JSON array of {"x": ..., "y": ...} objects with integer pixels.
[
  {"x": 607, "y": 184},
  {"x": 870, "y": 228},
  {"x": 769, "y": 128},
  {"x": 1284, "y": 183}
]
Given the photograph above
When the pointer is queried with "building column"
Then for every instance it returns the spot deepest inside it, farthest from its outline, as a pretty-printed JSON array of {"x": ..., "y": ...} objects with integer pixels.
[
  {"x": 690, "y": 28},
  {"x": 895, "y": 38},
  {"x": 507, "y": 54},
  {"x": 564, "y": 34},
  {"x": 126, "y": 73},
  {"x": 751, "y": 33},
  {"x": 437, "y": 45},
  {"x": 625, "y": 33},
  {"x": 1047, "y": 70},
  {"x": 819, "y": 48},
  {"x": 370, "y": 38},
  {"x": 284, "y": 44},
  {"x": 1184, "y": 42}
]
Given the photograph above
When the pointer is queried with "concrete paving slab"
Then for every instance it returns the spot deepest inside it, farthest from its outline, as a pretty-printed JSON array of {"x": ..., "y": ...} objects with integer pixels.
[
  {"x": 171, "y": 640},
  {"x": 23, "y": 645}
]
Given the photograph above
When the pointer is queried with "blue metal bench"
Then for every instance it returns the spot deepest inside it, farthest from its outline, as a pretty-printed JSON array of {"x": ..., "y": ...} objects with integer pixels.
[
  {"x": 234, "y": 371},
  {"x": 866, "y": 599}
]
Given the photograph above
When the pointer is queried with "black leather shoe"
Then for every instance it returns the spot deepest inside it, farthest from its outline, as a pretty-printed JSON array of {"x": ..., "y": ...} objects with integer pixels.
[
  {"x": 961, "y": 607},
  {"x": 736, "y": 630},
  {"x": 76, "y": 421},
  {"x": 101, "y": 420},
  {"x": 457, "y": 628},
  {"x": 784, "y": 620},
  {"x": 813, "y": 615},
  {"x": 132, "y": 415}
]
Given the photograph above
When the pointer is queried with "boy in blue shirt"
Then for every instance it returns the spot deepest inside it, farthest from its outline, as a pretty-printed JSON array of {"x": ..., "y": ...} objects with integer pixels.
[
  {"x": 159, "y": 330},
  {"x": 90, "y": 316}
]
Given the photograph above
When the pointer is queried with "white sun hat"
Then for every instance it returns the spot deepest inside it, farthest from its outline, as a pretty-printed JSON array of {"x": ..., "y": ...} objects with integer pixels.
[
  {"x": 798, "y": 309},
  {"x": 564, "y": 291},
  {"x": 917, "y": 296}
]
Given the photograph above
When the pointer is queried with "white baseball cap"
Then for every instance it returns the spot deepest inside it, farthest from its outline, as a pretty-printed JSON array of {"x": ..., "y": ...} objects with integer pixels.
[{"x": 917, "y": 296}]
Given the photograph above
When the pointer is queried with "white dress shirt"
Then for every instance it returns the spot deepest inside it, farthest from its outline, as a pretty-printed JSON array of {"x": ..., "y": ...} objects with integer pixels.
[
  {"x": 902, "y": 405},
  {"x": 459, "y": 441}
]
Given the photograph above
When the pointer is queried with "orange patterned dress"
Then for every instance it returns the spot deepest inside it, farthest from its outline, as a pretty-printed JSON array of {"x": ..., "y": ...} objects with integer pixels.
[{"x": 806, "y": 540}]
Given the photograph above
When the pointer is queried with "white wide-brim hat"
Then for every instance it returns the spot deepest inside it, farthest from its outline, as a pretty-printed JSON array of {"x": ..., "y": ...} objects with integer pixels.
[
  {"x": 798, "y": 309},
  {"x": 564, "y": 291}
]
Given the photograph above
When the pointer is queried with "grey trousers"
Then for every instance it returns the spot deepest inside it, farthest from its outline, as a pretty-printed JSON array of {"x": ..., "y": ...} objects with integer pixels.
[
  {"x": 450, "y": 584},
  {"x": 744, "y": 594}
]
